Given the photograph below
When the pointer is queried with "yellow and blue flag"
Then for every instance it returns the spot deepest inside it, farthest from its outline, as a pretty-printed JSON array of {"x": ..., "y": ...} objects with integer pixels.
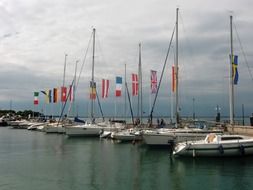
[{"x": 235, "y": 73}]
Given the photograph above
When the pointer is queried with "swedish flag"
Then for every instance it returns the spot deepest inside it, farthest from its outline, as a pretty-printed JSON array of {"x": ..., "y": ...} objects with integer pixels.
[{"x": 235, "y": 73}]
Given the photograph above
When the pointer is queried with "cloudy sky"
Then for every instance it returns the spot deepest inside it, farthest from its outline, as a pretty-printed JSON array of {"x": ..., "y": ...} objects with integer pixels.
[{"x": 35, "y": 35}]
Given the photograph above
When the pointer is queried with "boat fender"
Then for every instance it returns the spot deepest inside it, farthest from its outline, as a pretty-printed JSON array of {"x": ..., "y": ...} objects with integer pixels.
[
  {"x": 242, "y": 150},
  {"x": 221, "y": 150}
]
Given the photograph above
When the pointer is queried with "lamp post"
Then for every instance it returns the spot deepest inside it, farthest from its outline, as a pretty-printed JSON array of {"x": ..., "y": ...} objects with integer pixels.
[
  {"x": 193, "y": 108},
  {"x": 218, "y": 113}
]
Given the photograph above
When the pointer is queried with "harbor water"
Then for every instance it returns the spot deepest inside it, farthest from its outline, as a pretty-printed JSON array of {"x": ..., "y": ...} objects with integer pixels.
[{"x": 34, "y": 160}]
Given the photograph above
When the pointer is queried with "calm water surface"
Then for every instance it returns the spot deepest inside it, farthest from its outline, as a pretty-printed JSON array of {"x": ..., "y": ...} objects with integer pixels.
[{"x": 34, "y": 160}]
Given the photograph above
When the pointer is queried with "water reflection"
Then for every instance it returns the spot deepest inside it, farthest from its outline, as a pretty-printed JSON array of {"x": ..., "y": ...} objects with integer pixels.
[
  {"x": 212, "y": 173},
  {"x": 31, "y": 160}
]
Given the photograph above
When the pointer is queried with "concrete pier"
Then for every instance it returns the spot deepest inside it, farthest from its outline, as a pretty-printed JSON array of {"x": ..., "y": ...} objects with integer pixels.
[{"x": 239, "y": 129}]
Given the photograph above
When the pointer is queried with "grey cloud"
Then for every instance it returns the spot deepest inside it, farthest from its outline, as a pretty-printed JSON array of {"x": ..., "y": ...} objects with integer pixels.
[{"x": 37, "y": 34}]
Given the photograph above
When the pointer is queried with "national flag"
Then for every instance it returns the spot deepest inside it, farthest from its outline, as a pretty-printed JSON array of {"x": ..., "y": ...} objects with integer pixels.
[
  {"x": 105, "y": 88},
  {"x": 92, "y": 90},
  {"x": 134, "y": 84},
  {"x": 46, "y": 93},
  {"x": 63, "y": 94},
  {"x": 235, "y": 73},
  {"x": 118, "y": 86},
  {"x": 55, "y": 95},
  {"x": 36, "y": 98},
  {"x": 173, "y": 80},
  {"x": 71, "y": 93},
  {"x": 153, "y": 79},
  {"x": 49, "y": 96}
]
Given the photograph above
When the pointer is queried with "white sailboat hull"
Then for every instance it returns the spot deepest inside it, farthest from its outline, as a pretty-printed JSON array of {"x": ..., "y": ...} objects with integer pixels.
[
  {"x": 158, "y": 139},
  {"x": 87, "y": 130},
  {"x": 166, "y": 138}
]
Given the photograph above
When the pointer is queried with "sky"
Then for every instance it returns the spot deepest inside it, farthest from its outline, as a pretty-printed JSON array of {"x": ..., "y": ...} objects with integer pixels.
[{"x": 35, "y": 35}]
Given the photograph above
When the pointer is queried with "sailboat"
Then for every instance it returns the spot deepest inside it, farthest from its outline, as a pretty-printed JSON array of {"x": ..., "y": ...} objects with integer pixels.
[
  {"x": 166, "y": 136},
  {"x": 90, "y": 128},
  {"x": 219, "y": 145},
  {"x": 59, "y": 127},
  {"x": 133, "y": 134}
]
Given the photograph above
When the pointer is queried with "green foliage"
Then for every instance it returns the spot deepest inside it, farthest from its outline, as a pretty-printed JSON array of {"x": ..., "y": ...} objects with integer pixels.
[{"x": 24, "y": 114}]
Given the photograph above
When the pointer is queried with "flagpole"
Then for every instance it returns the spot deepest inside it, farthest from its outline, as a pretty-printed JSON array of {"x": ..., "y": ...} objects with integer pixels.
[
  {"x": 176, "y": 71},
  {"x": 74, "y": 90},
  {"x": 71, "y": 93},
  {"x": 140, "y": 84},
  {"x": 45, "y": 111},
  {"x": 115, "y": 108},
  {"x": 125, "y": 95},
  {"x": 92, "y": 76},
  {"x": 115, "y": 99},
  {"x": 173, "y": 88},
  {"x": 51, "y": 109},
  {"x": 150, "y": 94},
  {"x": 63, "y": 81},
  {"x": 33, "y": 110},
  {"x": 231, "y": 97},
  {"x": 138, "y": 77},
  {"x": 172, "y": 111}
]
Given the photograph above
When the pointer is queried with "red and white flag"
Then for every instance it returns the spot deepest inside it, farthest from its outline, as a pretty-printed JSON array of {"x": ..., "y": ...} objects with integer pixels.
[
  {"x": 134, "y": 84},
  {"x": 153, "y": 81},
  {"x": 105, "y": 88},
  {"x": 63, "y": 94}
]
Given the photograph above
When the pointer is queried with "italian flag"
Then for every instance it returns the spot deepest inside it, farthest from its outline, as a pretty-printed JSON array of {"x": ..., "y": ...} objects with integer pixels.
[{"x": 36, "y": 100}]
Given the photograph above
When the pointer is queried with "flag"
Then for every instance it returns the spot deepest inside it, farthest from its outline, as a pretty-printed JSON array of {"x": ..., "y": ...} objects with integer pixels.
[
  {"x": 105, "y": 88},
  {"x": 118, "y": 86},
  {"x": 46, "y": 93},
  {"x": 55, "y": 95},
  {"x": 235, "y": 73},
  {"x": 173, "y": 81},
  {"x": 49, "y": 96},
  {"x": 134, "y": 84},
  {"x": 71, "y": 93},
  {"x": 36, "y": 100},
  {"x": 63, "y": 94},
  {"x": 43, "y": 92},
  {"x": 92, "y": 90},
  {"x": 153, "y": 82}
]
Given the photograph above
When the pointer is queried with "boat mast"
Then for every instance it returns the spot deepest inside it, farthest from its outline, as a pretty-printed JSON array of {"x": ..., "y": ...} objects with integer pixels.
[
  {"x": 74, "y": 90},
  {"x": 64, "y": 71},
  {"x": 176, "y": 70},
  {"x": 231, "y": 97},
  {"x": 92, "y": 75},
  {"x": 125, "y": 97},
  {"x": 140, "y": 87}
]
